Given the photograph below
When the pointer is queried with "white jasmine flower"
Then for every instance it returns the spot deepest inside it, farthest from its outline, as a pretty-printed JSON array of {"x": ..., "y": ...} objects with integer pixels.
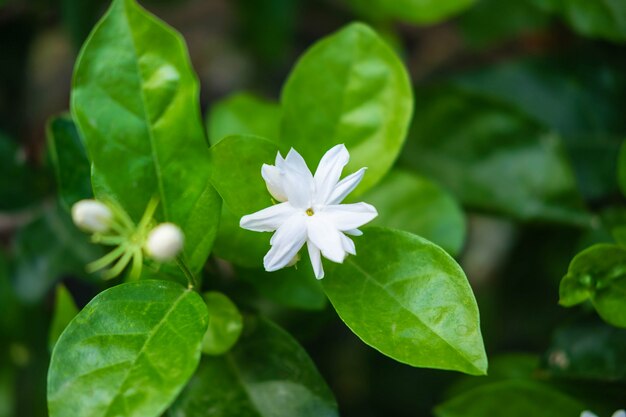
[
  {"x": 618, "y": 413},
  {"x": 309, "y": 210},
  {"x": 165, "y": 242},
  {"x": 92, "y": 216}
]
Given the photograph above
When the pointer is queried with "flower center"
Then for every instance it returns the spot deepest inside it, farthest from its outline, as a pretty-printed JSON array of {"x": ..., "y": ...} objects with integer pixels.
[{"x": 309, "y": 212}]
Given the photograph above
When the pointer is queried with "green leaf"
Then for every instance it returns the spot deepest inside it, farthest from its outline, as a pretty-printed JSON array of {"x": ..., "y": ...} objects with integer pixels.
[
  {"x": 243, "y": 114},
  {"x": 225, "y": 324},
  {"x": 605, "y": 19},
  {"x": 407, "y": 298},
  {"x": 588, "y": 350},
  {"x": 416, "y": 11},
  {"x": 134, "y": 345},
  {"x": 69, "y": 160},
  {"x": 349, "y": 88},
  {"x": 294, "y": 287},
  {"x": 493, "y": 157},
  {"x": 45, "y": 250},
  {"x": 135, "y": 101},
  {"x": 598, "y": 273},
  {"x": 267, "y": 374},
  {"x": 7, "y": 392},
  {"x": 516, "y": 398},
  {"x": 65, "y": 310},
  {"x": 412, "y": 203},
  {"x": 621, "y": 168}
]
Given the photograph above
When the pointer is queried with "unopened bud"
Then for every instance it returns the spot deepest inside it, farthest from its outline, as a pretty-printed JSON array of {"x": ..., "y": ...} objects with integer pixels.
[
  {"x": 165, "y": 242},
  {"x": 92, "y": 216}
]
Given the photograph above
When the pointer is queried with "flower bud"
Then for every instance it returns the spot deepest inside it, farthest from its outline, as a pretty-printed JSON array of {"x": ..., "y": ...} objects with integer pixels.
[
  {"x": 165, "y": 242},
  {"x": 92, "y": 216}
]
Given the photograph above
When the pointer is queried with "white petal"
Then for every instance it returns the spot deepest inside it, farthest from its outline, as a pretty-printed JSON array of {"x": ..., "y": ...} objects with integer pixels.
[
  {"x": 297, "y": 180},
  {"x": 587, "y": 414},
  {"x": 274, "y": 182},
  {"x": 619, "y": 413},
  {"x": 348, "y": 244},
  {"x": 353, "y": 232},
  {"x": 288, "y": 240},
  {"x": 328, "y": 172},
  {"x": 326, "y": 237},
  {"x": 268, "y": 219},
  {"x": 350, "y": 216},
  {"x": 316, "y": 260},
  {"x": 346, "y": 186}
]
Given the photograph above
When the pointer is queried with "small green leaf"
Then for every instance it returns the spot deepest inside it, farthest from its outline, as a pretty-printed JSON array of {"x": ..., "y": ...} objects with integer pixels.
[
  {"x": 64, "y": 311},
  {"x": 348, "y": 88},
  {"x": 605, "y": 19},
  {"x": 243, "y": 114},
  {"x": 45, "y": 250},
  {"x": 493, "y": 157},
  {"x": 410, "y": 300},
  {"x": 69, "y": 160},
  {"x": 266, "y": 374},
  {"x": 415, "y": 11},
  {"x": 135, "y": 102},
  {"x": 598, "y": 273},
  {"x": 134, "y": 345},
  {"x": 225, "y": 324},
  {"x": 516, "y": 398},
  {"x": 409, "y": 202}
]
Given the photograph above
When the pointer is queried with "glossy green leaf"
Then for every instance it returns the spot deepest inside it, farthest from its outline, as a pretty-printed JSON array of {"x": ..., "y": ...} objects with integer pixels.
[
  {"x": 237, "y": 245},
  {"x": 45, "y": 250},
  {"x": 604, "y": 19},
  {"x": 407, "y": 298},
  {"x": 64, "y": 311},
  {"x": 243, "y": 114},
  {"x": 225, "y": 324},
  {"x": 588, "y": 350},
  {"x": 266, "y": 374},
  {"x": 294, "y": 287},
  {"x": 349, "y": 88},
  {"x": 492, "y": 157},
  {"x": 599, "y": 274},
  {"x": 416, "y": 11},
  {"x": 409, "y": 202},
  {"x": 517, "y": 398},
  {"x": 69, "y": 160},
  {"x": 135, "y": 101},
  {"x": 134, "y": 345}
]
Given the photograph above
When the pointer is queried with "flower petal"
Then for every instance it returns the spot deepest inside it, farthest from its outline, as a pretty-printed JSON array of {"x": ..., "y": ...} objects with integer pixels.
[
  {"x": 316, "y": 260},
  {"x": 350, "y": 216},
  {"x": 346, "y": 186},
  {"x": 348, "y": 244},
  {"x": 587, "y": 414},
  {"x": 326, "y": 237},
  {"x": 328, "y": 172},
  {"x": 287, "y": 241},
  {"x": 297, "y": 181},
  {"x": 619, "y": 413},
  {"x": 353, "y": 232},
  {"x": 268, "y": 219},
  {"x": 274, "y": 181}
]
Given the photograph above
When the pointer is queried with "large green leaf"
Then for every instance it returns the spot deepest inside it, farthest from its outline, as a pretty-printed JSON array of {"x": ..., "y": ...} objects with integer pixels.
[
  {"x": 135, "y": 101},
  {"x": 516, "y": 398},
  {"x": 493, "y": 157},
  {"x": 599, "y": 274},
  {"x": 412, "y": 203},
  {"x": 416, "y": 11},
  {"x": 409, "y": 299},
  {"x": 64, "y": 311},
  {"x": 349, "y": 88},
  {"x": 267, "y": 374},
  {"x": 243, "y": 114},
  {"x": 599, "y": 18},
  {"x": 45, "y": 250},
  {"x": 69, "y": 161},
  {"x": 588, "y": 349},
  {"x": 128, "y": 353},
  {"x": 225, "y": 324}
]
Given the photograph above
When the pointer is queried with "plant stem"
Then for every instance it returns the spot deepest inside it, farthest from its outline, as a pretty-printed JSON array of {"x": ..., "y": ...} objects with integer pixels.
[{"x": 191, "y": 279}]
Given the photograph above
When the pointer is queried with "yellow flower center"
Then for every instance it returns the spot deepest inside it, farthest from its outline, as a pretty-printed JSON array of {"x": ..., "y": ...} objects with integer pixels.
[{"x": 309, "y": 212}]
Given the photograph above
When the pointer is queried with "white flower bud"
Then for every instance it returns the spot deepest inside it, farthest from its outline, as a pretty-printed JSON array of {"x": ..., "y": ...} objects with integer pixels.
[
  {"x": 92, "y": 216},
  {"x": 165, "y": 242}
]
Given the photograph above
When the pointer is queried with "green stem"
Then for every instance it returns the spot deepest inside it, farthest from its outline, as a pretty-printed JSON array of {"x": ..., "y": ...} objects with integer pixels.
[
  {"x": 191, "y": 279},
  {"x": 106, "y": 259}
]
